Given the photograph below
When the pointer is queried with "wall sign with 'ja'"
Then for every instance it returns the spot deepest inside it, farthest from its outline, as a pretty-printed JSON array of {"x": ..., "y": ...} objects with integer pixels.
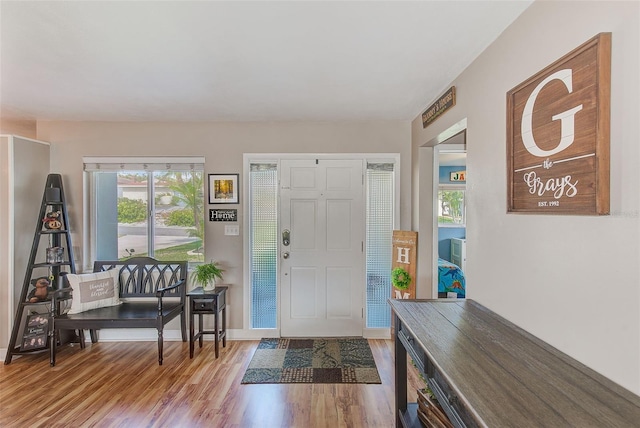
[
  {"x": 558, "y": 135},
  {"x": 458, "y": 176}
]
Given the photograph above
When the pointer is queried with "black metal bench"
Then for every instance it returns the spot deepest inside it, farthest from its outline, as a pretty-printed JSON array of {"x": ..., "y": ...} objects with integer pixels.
[{"x": 153, "y": 293}]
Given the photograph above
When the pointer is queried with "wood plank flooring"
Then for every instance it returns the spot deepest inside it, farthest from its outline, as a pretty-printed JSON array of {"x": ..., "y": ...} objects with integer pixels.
[{"x": 121, "y": 385}]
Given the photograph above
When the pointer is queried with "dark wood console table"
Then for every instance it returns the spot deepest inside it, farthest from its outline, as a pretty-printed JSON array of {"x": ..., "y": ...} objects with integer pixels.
[
  {"x": 203, "y": 302},
  {"x": 486, "y": 371}
]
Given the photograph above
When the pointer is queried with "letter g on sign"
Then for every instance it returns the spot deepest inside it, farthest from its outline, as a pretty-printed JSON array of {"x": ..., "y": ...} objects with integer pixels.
[{"x": 567, "y": 118}]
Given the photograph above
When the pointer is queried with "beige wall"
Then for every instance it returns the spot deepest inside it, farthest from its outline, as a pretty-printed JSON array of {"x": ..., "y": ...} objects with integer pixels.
[
  {"x": 572, "y": 281},
  {"x": 24, "y": 128},
  {"x": 223, "y": 145}
]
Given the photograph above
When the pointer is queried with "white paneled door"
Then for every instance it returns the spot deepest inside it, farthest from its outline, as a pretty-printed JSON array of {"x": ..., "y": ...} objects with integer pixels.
[{"x": 321, "y": 247}]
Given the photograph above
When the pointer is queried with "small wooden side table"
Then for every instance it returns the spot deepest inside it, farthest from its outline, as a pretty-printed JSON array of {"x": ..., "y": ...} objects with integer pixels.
[{"x": 203, "y": 302}]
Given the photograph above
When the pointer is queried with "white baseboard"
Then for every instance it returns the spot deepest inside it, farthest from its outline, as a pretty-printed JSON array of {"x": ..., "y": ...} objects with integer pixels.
[
  {"x": 151, "y": 335},
  {"x": 251, "y": 334},
  {"x": 377, "y": 333}
]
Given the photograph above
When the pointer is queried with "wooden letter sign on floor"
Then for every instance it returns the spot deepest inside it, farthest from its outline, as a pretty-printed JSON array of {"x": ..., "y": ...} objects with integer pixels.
[{"x": 335, "y": 360}]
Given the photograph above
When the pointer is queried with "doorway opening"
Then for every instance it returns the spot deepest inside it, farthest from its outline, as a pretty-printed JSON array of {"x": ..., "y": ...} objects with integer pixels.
[
  {"x": 451, "y": 142},
  {"x": 451, "y": 232}
]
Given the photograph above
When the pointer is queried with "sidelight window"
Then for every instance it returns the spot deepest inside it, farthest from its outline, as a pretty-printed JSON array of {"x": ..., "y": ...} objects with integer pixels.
[{"x": 380, "y": 221}]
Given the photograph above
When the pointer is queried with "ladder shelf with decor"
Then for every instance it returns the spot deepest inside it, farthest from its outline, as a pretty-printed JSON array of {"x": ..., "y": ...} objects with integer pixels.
[{"x": 51, "y": 258}]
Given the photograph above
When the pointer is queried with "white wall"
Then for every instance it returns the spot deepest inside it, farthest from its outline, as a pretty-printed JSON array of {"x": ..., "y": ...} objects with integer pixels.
[
  {"x": 223, "y": 145},
  {"x": 24, "y": 166},
  {"x": 572, "y": 281}
]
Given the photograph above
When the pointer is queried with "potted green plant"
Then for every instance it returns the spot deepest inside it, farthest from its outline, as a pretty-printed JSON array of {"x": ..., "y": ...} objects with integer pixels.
[{"x": 206, "y": 275}]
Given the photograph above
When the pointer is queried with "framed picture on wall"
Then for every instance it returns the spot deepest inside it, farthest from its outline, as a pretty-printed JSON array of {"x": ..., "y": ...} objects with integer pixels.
[
  {"x": 223, "y": 189},
  {"x": 558, "y": 124}
]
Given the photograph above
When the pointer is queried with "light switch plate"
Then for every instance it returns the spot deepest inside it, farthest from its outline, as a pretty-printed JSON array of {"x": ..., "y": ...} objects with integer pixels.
[{"x": 231, "y": 229}]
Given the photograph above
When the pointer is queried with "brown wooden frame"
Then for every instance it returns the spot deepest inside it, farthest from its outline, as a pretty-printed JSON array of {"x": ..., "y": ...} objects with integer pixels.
[{"x": 584, "y": 166}]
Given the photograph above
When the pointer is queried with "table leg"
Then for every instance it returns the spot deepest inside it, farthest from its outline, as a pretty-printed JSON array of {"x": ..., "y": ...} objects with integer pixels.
[
  {"x": 400, "y": 376},
  {"x": 191, "y": 333},
  {"x": 215, "y": 325},
  {"x": 200, "y": 325},
  {"x": 224, "y": 327}
]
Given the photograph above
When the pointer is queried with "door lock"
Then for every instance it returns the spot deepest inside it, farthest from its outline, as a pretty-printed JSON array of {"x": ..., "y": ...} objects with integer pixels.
[
  {"x": 285, "y": 237},
  {"x": 285, "y": 255}
]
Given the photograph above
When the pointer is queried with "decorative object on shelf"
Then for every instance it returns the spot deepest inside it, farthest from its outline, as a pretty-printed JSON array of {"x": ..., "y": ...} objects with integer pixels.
[
  {"x": 400, "y": 278},
  {"x": 52, "y": 195},
  {"x": 430, "y": 412},
  {"x": 52, "y": 220},
  {"x": 206, "y": 275},
  {"x": 54, "y": 254},
  {"x": 41, "y": 289},
  {"x": 223, "y": 189},
  {"x": 35, "y": 332}
]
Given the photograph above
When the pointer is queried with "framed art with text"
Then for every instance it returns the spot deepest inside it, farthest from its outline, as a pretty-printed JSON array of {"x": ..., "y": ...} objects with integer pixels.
[
  {"x": 35, "y": 332},
  {"x": 558, "y": 135},
  {"x": 223, "y": 189}
]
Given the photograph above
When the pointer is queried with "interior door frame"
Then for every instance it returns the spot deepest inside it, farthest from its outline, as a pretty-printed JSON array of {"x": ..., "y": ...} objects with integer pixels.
[
  {"x": 428, "y": 210},
  {"x": 444, "y": 147},
  {"x": 248, "y": 159}
]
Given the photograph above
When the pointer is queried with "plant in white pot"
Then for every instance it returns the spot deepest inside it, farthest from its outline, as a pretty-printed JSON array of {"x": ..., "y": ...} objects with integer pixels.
[{"x": 206, "y": 275}]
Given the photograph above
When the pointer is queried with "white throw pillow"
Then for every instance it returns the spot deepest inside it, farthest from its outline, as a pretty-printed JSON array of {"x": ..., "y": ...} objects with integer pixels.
[{"x": 94, "y": 290}]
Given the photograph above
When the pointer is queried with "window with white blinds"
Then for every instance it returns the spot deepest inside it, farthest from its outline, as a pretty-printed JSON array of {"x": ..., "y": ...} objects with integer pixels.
[{"x": 152, "y": 206}]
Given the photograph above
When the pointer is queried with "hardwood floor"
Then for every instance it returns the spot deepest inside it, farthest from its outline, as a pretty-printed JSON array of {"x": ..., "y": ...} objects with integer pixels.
[{"x": 121, "y": 385}]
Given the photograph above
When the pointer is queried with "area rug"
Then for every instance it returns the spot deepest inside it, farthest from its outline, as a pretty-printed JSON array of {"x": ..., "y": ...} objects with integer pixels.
[{"x": 334, "y": 360}]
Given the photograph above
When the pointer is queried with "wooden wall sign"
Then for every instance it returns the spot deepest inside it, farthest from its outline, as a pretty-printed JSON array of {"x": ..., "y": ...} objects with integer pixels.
[
  {"x": 558, "y": 135},
  {"x": 437, "y": 109},
  {"x": 404, "y": 255}
]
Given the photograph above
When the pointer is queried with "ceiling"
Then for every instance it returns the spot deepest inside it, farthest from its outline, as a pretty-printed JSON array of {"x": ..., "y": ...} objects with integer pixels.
[
  {"x": 238, "y": 61},
  {"x": 452, "y": 159}
]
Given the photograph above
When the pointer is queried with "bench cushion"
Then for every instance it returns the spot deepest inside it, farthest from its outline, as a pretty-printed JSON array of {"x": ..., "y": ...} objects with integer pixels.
[{"x": 94, "y": 290}]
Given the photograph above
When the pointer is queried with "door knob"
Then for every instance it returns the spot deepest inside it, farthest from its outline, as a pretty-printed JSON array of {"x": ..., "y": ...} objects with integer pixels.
[
  {"x": 285, "y": 255},
  {"x": 286, "y": 237}
]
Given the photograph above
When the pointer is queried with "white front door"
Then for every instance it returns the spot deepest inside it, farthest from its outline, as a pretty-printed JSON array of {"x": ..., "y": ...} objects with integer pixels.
[{"x": 322, "y": 264}]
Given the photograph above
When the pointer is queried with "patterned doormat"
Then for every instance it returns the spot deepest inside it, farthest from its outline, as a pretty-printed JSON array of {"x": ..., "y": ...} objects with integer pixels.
[{"x": 334, "y": 360}]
